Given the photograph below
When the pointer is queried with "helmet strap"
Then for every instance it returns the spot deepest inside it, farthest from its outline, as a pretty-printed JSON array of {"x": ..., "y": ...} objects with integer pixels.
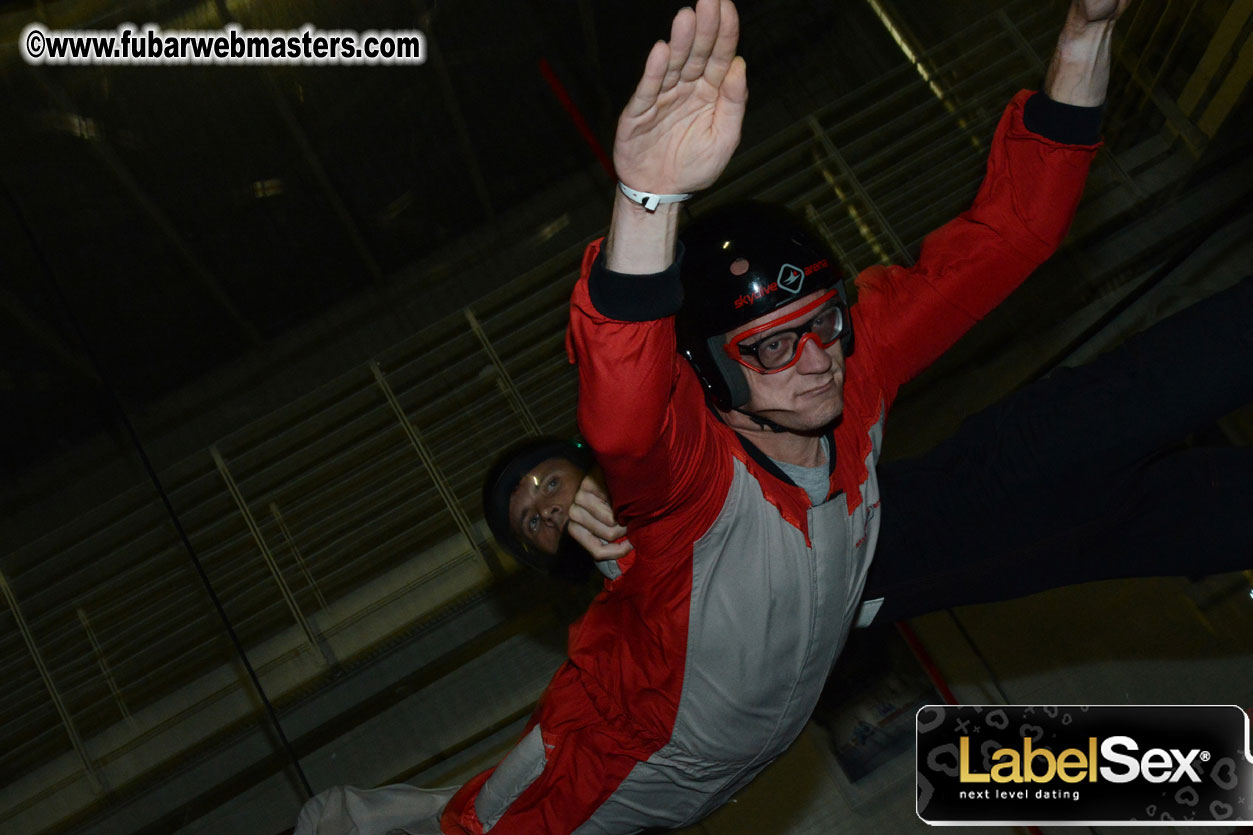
[{"x": 763, "y": 422}]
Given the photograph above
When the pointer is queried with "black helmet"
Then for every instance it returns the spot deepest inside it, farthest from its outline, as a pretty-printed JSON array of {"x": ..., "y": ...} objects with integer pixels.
[
  {"x": 503, "y": 477},
  {"x": 785, "y": 259}
]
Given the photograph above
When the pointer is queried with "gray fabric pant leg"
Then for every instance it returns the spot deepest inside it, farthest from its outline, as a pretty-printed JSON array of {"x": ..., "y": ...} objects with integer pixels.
[{"x": 391, "y": 810}]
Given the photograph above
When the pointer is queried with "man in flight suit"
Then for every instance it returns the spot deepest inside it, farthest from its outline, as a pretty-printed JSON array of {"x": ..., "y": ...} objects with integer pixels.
[{"x": 701, "y": 662}]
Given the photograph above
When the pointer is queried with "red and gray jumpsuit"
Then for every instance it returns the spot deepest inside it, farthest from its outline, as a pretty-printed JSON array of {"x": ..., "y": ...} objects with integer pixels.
[{"x": 701, "y": 663}]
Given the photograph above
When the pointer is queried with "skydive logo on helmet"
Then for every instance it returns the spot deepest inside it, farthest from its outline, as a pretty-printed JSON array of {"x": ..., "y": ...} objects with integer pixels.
[
  {"x": 792, "y": 278},
  {"x": 757, "y": 293}
]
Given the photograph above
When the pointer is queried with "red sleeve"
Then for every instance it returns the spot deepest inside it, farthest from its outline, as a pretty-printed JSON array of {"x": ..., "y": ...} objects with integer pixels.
[
  {"x": 458, "y": 817},
  {"x": 906, "y": 318},
  {"x": 643, "y": 412},
  {"x": 584, "y": 763}
]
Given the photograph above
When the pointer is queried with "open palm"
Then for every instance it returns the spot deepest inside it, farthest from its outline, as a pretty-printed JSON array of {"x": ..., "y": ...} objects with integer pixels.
[
  {"x": 682, "y": 124},
  {"x": 1096, "y": 10}
]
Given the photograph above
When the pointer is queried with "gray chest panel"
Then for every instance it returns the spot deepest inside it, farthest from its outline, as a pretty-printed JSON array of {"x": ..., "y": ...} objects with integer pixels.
[{"x": 768, "y": 617}]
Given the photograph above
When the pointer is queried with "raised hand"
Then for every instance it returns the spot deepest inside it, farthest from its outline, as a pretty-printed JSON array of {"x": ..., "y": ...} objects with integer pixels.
[
  {"x": 592, "y": 523},
  {"x": 1079, "y": 71},
  {"x": 1094, "y": 11},
  {"x": 681, "y": 126}
]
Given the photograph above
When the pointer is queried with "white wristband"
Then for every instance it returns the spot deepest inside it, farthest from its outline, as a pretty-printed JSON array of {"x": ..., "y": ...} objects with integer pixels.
[{"x": 650, "y": 201}]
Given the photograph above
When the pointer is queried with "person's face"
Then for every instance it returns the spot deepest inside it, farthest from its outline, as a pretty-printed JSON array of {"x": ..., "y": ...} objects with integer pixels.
[
  {"x": 540, "y": 503},
  {"x": 807, "y": 396}
]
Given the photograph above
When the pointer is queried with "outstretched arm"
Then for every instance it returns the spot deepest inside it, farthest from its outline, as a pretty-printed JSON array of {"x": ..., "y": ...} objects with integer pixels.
[
  {"x": 1079, "y": 71},
  {"x": 675, "y": 136},
  {"x": 677, "y": 132},
  {"x": 1036, "y": 170}
]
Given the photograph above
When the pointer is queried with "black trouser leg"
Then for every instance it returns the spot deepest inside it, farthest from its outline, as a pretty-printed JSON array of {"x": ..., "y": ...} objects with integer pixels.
[
  {"x": 1054, "y": 484},
  {"x": 1187, "y": 513}
]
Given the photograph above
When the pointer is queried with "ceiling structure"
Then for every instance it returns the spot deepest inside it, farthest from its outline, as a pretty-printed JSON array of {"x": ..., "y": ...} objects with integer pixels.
[{"x": 190, "y": 216}]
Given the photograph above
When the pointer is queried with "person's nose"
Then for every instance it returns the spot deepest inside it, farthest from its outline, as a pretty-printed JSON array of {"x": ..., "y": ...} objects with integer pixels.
[
  {"x": 814, "y": 359},
  {"x": 555, "y": 515}
]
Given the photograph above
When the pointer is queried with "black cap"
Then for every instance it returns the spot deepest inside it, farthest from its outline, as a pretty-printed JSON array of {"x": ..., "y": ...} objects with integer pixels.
[{"x": 502, "y": 479}]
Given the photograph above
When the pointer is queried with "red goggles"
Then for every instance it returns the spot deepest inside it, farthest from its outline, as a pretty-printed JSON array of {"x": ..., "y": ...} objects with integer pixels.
[{"x": 822, "y": 321}]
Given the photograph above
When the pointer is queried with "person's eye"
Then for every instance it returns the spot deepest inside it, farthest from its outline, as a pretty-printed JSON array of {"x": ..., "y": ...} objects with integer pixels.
[
  {"x": 828, "y": 324},
  {"x": 553, "y": 482},
  {"x": 532, "y": 524},
  {"x": 775, "y": 350}
]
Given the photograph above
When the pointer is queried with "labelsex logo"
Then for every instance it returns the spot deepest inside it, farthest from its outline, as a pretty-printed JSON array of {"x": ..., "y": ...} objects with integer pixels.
[
  {"x": 1039, "y": 765},
  {"x": 1181, "y": 765}
]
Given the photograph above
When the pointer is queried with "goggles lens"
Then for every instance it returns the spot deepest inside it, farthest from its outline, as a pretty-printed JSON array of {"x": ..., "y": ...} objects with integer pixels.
[{"x": 823, "y": 321}]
